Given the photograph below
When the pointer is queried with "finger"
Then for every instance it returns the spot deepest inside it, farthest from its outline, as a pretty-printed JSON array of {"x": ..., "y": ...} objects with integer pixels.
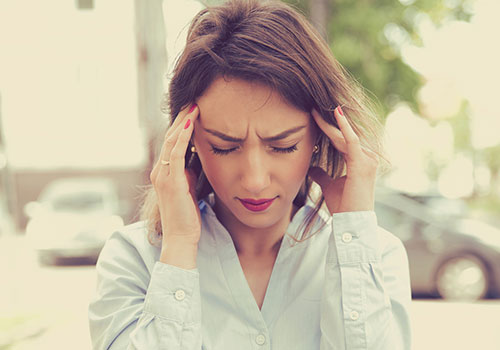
[
  {"x": 174, "y": 130},
  {"x": 353, "y": 143},
  {"x": 177, "y": 156},
  {"x": 166, "y": 149},
  {"x": 182, "y": 116},
  {"x": 177, "y": 128},
  {"x": 346, "y": 129},
  {"x": 170, "y": 141},
  {"x": 163, "y": 170},
  {"x": 332, "y": 132}
]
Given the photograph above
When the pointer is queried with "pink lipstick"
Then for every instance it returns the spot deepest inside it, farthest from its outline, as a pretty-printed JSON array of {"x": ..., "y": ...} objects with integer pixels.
[{"x": 257, "y": 204}]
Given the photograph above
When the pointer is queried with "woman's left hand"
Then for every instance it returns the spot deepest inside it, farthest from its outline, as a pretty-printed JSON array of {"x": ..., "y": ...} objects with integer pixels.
[{"x": 354, "y": 191}]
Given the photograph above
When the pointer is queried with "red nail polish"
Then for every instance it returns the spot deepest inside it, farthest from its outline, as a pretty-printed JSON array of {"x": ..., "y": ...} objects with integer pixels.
[
  {"x": 340, "y": 111},
  {"x": 187, "y": 124},
  {"x": 192, "y": 108}
]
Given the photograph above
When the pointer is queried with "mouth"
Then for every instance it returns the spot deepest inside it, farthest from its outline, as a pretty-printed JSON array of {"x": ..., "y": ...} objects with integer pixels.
[{"x": 257, "y": 204}]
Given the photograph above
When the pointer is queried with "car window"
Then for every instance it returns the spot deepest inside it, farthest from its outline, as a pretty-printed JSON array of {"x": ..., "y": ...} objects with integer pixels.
[
  {"x": 394, "y": 221},
  {"x": 78, "y": 202},
  {"x": 443, "y": 207}
]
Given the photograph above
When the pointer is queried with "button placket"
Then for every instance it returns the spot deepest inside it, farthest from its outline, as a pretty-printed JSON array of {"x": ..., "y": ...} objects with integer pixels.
[
  {"x": 260, "y": 339},
  {"x": 354, "y": 315},
  {"x": 346, "y": 237},
  {"x": 180, "y": 295}
]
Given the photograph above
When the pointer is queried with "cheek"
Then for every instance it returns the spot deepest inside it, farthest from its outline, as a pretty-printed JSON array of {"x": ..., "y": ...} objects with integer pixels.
[
  {"x": 301, "y": 166},
  {"x": 293, "y": 170},
  {"x": 213, "y": 169}
]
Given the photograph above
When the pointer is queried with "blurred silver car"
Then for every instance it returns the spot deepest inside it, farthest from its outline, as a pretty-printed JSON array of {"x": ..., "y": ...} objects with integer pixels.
[
  {"x": 6, "y": 224},
  {"x": 450, "y": 256},
  {"x": 72, "y": 218}
]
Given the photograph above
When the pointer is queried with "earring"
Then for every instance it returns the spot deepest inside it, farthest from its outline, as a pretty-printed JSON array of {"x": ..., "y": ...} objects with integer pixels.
[
  {"x": 316, "y": 149},
  {"x": 193, "y": 149}
]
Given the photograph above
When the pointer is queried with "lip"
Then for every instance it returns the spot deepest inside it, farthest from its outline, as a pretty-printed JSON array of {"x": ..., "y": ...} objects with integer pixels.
[{"x": 257, "y": 204}]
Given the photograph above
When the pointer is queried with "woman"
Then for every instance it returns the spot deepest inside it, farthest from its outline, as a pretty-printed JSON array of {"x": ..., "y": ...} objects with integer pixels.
[{"x": 237, "y": 248}]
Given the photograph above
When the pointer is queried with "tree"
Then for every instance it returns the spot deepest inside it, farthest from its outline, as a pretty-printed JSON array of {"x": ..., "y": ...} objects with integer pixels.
[{"x": 366, "y": 37}]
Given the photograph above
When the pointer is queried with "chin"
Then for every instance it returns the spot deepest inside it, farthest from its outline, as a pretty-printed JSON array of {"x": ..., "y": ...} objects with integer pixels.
[{"x": 260, "y": 223}]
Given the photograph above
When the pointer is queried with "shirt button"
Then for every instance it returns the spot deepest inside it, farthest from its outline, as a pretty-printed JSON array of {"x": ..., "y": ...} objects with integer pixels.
[
  {"x": 346, "y": 237},
  {"x": 260, "y": 339},
  {"x": 180, "y": 294},
  {"x": 354, "y": 315}
]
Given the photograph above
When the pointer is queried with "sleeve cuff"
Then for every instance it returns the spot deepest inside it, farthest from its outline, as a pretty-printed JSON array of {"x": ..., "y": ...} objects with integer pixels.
[
  {"x": 354, "y": 238},
  {"x": 174, "y": 293}
]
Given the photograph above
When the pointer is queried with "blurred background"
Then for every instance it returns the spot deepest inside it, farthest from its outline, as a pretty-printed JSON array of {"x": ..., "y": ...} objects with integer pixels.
[{"x": 81, "y": 85}]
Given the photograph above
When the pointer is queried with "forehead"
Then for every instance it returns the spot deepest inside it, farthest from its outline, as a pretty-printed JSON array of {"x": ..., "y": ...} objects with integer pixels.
[{"x": 235, "y": 104}]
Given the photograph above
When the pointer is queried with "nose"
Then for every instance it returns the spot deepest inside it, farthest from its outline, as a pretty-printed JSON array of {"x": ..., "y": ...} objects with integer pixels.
[{"x": 255, "y": 173}]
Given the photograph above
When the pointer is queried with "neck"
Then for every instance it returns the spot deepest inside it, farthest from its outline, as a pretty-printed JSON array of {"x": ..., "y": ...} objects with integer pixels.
[{"x": 252, "y": 241}]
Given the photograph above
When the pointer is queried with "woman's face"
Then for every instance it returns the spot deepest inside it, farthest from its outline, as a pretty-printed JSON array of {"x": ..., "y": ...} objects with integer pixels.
[{"x": 252, "y": 144}]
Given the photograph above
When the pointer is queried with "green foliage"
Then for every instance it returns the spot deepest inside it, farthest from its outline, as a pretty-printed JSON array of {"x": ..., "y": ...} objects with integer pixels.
[
  {"x": 486, "y": 207},
  {"x": 366, "y": 36},
  {"x": 460, "y": 123},
  {"x": 491, "y": 156}
]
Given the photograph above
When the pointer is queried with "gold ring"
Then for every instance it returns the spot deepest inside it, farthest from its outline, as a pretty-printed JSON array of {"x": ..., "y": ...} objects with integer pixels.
[{"x": 165, "y": 162}]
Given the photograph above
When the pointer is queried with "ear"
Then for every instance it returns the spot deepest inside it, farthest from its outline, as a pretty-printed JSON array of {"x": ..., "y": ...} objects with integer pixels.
[{"x": 191, "y": 143}]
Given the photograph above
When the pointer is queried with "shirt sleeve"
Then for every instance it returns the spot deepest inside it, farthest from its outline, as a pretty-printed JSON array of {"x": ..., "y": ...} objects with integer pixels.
[
  {"x": 133, "y": 309},
  {"x": 367, "y": 295}
]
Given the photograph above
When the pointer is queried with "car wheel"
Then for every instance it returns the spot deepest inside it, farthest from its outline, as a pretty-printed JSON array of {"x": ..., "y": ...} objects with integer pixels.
[{"x": 462, "y": 278}]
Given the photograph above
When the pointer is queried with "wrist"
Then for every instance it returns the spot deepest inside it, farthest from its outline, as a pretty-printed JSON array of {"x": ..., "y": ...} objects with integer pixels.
[
  {"x": 185, "y": 240},
  {"x": 179, "y": 252}
]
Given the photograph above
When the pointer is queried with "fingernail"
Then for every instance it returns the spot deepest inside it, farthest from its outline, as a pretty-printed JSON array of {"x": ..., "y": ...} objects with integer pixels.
[
  {"x": 340, "y": 111},
  {"x": 187, "y": 124},
  {"x": 192, "y": 108}
]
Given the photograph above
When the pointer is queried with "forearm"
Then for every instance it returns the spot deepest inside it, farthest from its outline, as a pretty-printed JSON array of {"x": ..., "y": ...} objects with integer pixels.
[
  {"x": 135, "y": 308},
  {"x": 171, "y": 313},
  {"x": 177, "y": 252}
]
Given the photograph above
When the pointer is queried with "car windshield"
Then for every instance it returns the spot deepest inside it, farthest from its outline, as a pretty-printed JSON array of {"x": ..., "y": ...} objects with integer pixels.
[
  {"x": 443, "y": 208},
  {"x": 78, "y": 202}
]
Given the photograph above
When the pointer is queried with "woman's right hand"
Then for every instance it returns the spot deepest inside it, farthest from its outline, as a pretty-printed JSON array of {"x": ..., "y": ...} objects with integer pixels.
[{"x": 175, "y": 185}]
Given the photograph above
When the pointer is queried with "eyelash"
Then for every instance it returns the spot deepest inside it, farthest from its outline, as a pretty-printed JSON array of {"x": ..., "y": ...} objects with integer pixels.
[{"x": 224, "y": 152}]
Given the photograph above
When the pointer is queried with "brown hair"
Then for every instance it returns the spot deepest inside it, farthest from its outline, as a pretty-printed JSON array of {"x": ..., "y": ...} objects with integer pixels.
[{"x": 271, "y": 43}]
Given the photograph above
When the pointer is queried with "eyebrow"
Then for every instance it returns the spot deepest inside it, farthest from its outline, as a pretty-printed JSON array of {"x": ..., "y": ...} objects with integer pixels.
[{"x": 278, "y": 137}]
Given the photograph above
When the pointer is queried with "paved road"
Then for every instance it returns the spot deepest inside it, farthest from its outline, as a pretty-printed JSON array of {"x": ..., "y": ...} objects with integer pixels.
[
  {"x": 459, "y": 326},
  {"x": 55, "y": 299},
  {"x": 52, "y": 301}
]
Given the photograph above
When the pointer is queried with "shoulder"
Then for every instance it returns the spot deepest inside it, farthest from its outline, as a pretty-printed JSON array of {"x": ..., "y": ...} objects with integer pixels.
[
  {"x": 129, "y": 244},
  {"x": 388, "y": 242},
  {"x": 131, "y": 235},
  {"x": 394, "y": 257}
]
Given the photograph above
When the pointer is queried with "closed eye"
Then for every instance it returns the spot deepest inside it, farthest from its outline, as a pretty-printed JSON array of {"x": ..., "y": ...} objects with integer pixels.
[
  {"x": 285, "y": 150},
  {"x": 220, "y": 151}
]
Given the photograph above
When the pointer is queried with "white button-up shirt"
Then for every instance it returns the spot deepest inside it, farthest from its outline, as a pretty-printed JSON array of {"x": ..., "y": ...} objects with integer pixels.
[{"x": 347, "y": 287}]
